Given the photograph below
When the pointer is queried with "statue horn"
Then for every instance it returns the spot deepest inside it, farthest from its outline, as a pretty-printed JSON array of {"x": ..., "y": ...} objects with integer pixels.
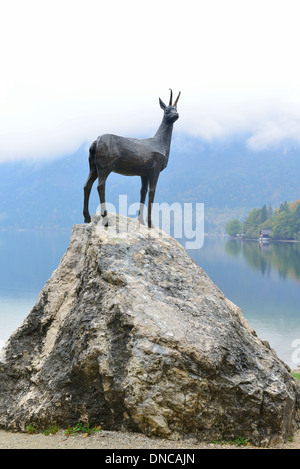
[
  {"x": 175, "y": 104},
  {"x": 171, "y": 97}
]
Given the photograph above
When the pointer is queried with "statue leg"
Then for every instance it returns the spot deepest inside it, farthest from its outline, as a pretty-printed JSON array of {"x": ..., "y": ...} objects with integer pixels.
[
  {"x": 87, "y": 190},
  {"x": 152, "y": 187},
  {"x": 144, "y": 190},
  {"x": 102, "y": 176}
]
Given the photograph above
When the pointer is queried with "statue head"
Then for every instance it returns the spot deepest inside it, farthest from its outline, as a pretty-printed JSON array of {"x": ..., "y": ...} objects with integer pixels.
[{"x": 170, "y": 112}]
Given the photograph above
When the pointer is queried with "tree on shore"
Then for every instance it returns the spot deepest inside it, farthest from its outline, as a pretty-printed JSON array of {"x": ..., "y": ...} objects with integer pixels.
[
  {"x": 233, "y": 227},
  {"x": 284, "y": 222}
]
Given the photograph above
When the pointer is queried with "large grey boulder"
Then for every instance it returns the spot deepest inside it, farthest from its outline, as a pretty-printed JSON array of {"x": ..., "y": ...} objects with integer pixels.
[{"x": 129, "y": 332}]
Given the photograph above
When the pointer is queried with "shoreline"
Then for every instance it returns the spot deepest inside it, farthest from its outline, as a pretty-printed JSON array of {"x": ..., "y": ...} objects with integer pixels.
[
  {"x": 107, "y": 440},
  {"x": 240, "y": 238}
]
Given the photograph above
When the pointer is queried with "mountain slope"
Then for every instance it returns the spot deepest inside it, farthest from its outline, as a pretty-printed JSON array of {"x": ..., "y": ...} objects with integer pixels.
[{"x": 223, "y": 175}]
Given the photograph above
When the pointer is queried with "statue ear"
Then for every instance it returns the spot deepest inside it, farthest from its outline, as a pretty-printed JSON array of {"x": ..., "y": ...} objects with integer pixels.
[{"x": 162, "y": 104}]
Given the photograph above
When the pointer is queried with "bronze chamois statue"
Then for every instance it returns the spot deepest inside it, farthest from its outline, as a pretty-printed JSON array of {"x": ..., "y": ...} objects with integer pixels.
[{"x": 131, "y": 157}]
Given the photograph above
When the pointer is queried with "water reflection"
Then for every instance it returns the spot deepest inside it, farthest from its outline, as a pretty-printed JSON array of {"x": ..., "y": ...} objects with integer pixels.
[
  {"x": 283, "y": 257},
  {"x": 27, "y": 260},
  {"x": 263, "y": 280}
]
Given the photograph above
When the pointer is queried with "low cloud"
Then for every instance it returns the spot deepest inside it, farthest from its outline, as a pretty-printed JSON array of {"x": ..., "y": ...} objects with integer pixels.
[
  {"x": 267, "y": 122},
  {"x": 48, "y": 129},
  {"x": 72, "y": 71},
  {"x": 276, "y": 131}
]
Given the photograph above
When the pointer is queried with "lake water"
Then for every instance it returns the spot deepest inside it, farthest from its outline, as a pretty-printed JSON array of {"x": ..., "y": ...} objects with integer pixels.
[{"x": 263, "y": 280}]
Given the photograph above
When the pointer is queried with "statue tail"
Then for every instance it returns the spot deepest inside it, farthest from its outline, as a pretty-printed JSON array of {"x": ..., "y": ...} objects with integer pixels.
[{"x": 92, "y": 151}]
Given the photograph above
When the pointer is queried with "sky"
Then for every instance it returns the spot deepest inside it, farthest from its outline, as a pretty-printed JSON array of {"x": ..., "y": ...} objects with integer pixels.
[{"x": 73, "y": 70}]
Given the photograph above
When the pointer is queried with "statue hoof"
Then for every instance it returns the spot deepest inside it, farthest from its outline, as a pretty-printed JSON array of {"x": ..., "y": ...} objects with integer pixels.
[{"x": 87, "y": 220}]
